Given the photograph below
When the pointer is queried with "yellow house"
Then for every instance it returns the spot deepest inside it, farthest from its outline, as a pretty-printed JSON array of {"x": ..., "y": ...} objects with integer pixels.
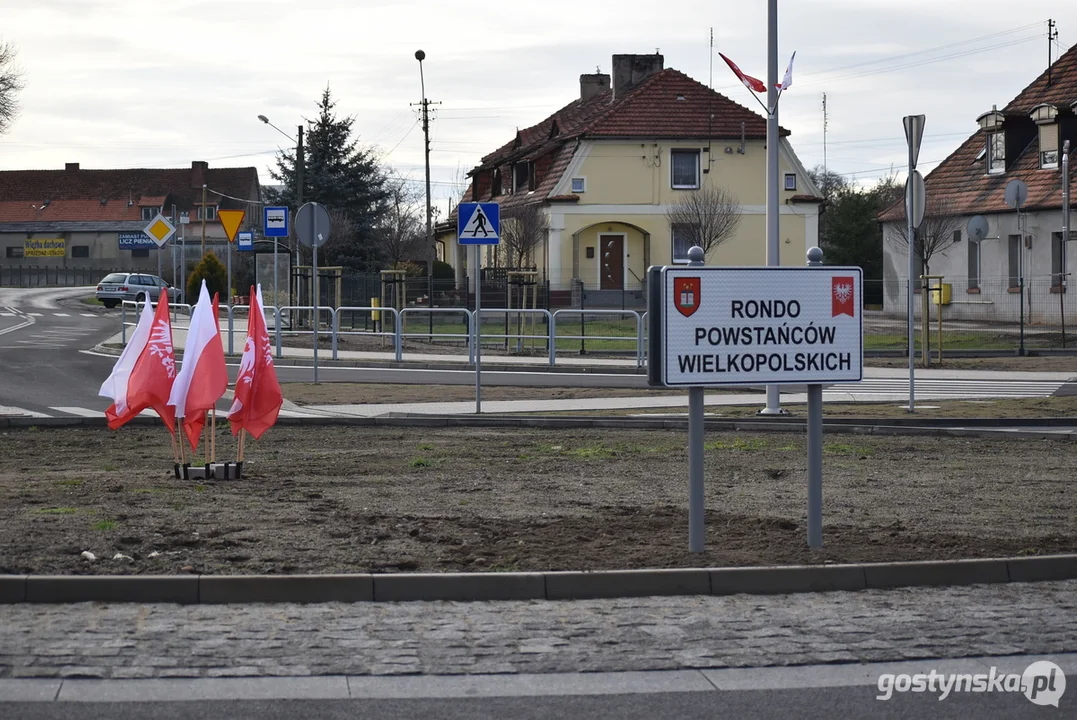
[{"x": 606, "y": 168}]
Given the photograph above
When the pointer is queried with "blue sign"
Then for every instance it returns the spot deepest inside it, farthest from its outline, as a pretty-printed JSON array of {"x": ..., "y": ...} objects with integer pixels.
[
  {"x": 135, "y": 241},
  {"x": 275, "y": 222},
  {"x": 245, "y": 241},
  {"x": 478, "y": 223}
]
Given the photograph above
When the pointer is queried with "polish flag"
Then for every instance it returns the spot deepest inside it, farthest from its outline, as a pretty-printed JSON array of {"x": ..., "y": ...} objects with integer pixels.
[
  {"x": 143, "y": 376},
  {"x": 258, "y": 396},
  {"x": 749, "y": 82},
  {"x": 203, "y": 378},
  {"x": 787, "y": 81}
]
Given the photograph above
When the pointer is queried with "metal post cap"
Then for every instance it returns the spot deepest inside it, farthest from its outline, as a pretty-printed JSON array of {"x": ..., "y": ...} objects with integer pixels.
[
  {"x": 696, "y": 254},
  {"x": 815, "y": 256}
]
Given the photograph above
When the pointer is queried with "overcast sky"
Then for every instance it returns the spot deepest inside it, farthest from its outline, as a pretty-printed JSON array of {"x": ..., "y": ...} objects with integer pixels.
[{"x": 121, "y": 84}]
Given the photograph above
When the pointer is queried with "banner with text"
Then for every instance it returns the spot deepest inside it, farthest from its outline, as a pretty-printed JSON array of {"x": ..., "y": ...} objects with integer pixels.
[{"x": 40, "y": 247}]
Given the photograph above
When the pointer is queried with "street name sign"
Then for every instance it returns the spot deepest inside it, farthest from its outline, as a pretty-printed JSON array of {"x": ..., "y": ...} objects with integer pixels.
[
  {"x": 478, "y": 223},
  {"x": 275, "y": 222},
  {"x": 714, "y": 326}
]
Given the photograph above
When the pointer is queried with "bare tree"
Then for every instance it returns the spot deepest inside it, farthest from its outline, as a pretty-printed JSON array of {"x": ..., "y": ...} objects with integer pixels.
[
  {"x": 402, "y": 233},
  {"x": 523, "y": 229},
  {"x": 11, "y": 82},
  {"x": 935, "y": 234},
  {"x": 705, "y": 217}
]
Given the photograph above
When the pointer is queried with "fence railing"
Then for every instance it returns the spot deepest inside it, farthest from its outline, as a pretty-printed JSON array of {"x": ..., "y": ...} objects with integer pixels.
[{"x": 43, "y": 276}]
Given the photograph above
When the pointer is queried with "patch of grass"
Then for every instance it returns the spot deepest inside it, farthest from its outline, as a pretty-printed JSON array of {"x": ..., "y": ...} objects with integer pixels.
[
  {"x": 739, "y": 444},
  {"x": 592, "y": 452},
  {"x": 33, "y": 428},
  {"x": 91, "y": 301},
  {"x": 110, "y": 468},
  {"x": 105, "y": 525},
  {"x": 199, "y": 488},
  {"x": 421, "y": 462},
  {"x": 846, "y": 449},
  {"x": 56, "y": 511},
  {"x": 69, "y": 483},
  {"x": 425, "y": 447}
]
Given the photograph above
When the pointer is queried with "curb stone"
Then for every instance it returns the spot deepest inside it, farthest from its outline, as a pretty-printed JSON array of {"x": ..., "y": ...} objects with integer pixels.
[{"x": 402, "y": 587}]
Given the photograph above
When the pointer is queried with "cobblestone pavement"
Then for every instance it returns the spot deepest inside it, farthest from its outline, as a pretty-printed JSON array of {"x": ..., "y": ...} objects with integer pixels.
[{"x": 136, "y": 641}]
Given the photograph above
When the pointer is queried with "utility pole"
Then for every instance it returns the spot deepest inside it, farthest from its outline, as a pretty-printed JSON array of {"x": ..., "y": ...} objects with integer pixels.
[
  {"x": 300, "y": 166},
  {"x": 431, "y": 249},
  {"x": 773, "y": 187},
  {"x": 203, "y": 214},
  {"x": 1052, "y": 35},
  {"x": 826, "y": 178}
]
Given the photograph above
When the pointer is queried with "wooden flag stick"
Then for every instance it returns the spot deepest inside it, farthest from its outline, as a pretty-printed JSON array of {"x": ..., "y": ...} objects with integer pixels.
[
  {"x": 213, "y": 436},
  {"x": 182, "y": 450},
  {"x": 175, "y": 448},
  {"x": 242, "y": 437}
]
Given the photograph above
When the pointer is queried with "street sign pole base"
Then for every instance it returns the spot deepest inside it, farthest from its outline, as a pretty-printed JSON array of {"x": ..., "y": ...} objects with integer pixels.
[
  {"x": 209, "y": 471},
  {"x": 773, "y": 411}
]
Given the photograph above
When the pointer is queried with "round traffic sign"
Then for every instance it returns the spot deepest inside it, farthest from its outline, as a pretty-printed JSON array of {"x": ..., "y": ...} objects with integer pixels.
[
  {"x": 915, "y": 198},
  {"x": 312, "y": 224}
]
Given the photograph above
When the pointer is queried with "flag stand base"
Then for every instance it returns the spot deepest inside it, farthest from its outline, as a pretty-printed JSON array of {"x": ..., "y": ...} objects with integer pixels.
[{"x": 209, "y": 471}]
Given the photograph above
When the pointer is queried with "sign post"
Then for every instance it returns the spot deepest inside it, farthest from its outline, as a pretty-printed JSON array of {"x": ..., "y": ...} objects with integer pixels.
[
  {"x": 275, "y": 225},
  {"x": 914, "y": 135},
  {"x": 160, "y": 229},
  {"x": 718, "y": 326},
  {"x": 312, "y": 228},
  {"x": 472, "y": 219},
  {"x": 230, "y": 220}
]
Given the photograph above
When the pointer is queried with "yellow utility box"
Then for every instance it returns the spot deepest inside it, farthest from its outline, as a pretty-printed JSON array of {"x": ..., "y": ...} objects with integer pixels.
[
  {"x": 375, "y": 315},
  {"x": 942, "y": 293}
]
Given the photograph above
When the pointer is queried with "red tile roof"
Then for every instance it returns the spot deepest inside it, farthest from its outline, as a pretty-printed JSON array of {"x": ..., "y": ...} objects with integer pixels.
[
  {"x": 665, "y": 105},
  {"x": 77, "y": 195},
  {"x": 961, "y": 181}
]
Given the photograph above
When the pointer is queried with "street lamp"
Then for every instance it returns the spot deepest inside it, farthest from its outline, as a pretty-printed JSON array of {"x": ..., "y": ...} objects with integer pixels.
[
  {"x": 420, "y": 56},
  {"x": 299, "y": 167}
]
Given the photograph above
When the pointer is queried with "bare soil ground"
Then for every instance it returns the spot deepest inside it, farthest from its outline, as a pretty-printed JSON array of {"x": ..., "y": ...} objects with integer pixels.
[{"x": 355, "y": 499}]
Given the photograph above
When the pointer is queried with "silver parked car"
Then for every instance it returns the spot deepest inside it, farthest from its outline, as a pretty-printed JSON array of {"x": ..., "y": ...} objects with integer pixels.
[{"x": 116, "y": 287}]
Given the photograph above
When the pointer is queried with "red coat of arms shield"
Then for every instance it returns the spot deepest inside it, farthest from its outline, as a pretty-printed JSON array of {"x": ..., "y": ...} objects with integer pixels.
[{"x": 686, "y": 295}]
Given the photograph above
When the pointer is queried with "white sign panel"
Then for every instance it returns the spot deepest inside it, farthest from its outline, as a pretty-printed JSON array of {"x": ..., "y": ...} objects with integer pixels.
[{"x": 762, "y": 326}]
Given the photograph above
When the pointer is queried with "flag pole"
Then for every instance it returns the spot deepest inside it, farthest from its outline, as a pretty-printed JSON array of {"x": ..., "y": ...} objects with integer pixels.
[
  {"x": 175, "y": 448},
  {"x": 183, "y": 453},
  {"x": 213, "y": 435}
]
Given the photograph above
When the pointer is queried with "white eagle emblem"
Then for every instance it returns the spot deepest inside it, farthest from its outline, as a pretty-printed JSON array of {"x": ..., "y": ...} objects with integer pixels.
[
  {"x": 161, "y": 347},
  {"x": 843, "y": 292}
]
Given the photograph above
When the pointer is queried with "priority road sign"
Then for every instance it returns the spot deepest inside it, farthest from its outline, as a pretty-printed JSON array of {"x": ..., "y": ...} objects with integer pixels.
[
  {"x": 230, "y": 221},
  {"x": 160, "y": 229},
  {"x": 275, "y": 222},
  {"x": 478, "y": 223}
]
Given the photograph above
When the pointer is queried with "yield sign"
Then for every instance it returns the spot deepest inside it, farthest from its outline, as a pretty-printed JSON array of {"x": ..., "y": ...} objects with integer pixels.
[
  {"x": 160, "y": 229},
  {"x": 230, "y": 221}
]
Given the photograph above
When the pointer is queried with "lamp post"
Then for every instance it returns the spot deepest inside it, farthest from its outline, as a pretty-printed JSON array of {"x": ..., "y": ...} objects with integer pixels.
[
  {"x": 432, "y": 253},
  {"x": 300, "y": 162}
]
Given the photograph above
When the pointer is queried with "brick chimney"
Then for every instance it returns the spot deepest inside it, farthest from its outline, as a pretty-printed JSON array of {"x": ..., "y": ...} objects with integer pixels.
[
  {"x": 71, "y": 167},
  {"x": 593, "y": 84},
  {"x": 629, "y": 70},
  {"x": 198, "y": 173}
]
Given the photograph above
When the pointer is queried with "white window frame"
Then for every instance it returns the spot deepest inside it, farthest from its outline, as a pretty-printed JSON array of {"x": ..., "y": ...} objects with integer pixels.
[
  {"x": 793, "y": 178},
  {"x": 673, "y": 248},
  {"x": 699, "y": 166},
  {"x": 1049, "y": 157},
  {"x": 582, "y": 188},
  {"x": 210, "y": 215},
  {"x": 151, "y": 212}
]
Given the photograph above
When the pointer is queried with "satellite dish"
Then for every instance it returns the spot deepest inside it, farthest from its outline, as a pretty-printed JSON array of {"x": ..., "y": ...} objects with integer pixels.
[
  {"x": 977, "y": 228},
  {"x": 1016, "y": 193}
]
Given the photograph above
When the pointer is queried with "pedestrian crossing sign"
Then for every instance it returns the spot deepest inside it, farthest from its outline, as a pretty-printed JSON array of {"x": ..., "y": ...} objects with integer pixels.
[{"x": 478, "y": 223}]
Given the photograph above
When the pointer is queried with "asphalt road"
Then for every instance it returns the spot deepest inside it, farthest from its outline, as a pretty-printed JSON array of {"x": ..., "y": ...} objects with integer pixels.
[{"x": 843, "y": 702}]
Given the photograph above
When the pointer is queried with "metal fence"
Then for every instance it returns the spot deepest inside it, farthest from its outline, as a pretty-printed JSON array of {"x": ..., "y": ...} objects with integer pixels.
[{"x": 31, "y": 276}]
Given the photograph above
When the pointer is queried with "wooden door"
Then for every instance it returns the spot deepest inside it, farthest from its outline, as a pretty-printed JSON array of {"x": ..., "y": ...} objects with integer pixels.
[{"x": 611, "y": 250}]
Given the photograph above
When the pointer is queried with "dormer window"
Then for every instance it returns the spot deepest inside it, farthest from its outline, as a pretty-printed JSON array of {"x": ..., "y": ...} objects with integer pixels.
[
  {"x": 522, "y": 176},
  {"x": 1046, "y": 117},
  {"x": 495, "y": 189},
  {"x": 995, "y": 140}
]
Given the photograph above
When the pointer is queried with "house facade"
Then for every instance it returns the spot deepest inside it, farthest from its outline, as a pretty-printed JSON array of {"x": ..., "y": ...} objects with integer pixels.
[
  {"x": 1020, "y": 269},
  {"x": 94, "y": 219},
  {"x": 606, "y": 168}
]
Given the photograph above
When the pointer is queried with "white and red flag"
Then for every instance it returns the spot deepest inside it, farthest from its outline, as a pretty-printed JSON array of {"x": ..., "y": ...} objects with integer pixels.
[
  {"x": 749, "y": 82},
  {"x": 787, "y": 81},
  {"x": 258, "y": 396},
  {"x": 203, "y": 377},
  {"x": 143, "y": 376}
]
